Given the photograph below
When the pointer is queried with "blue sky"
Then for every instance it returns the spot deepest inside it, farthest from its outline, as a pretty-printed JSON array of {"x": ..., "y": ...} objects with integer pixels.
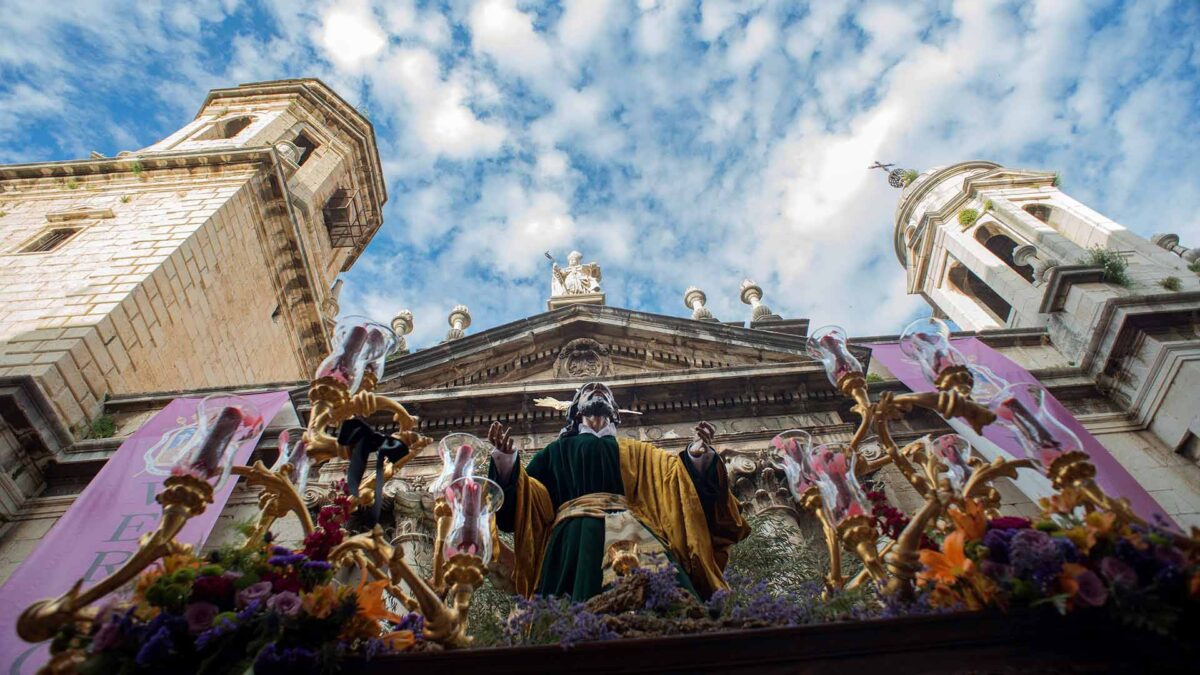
[{"x": 675, "y": 143}]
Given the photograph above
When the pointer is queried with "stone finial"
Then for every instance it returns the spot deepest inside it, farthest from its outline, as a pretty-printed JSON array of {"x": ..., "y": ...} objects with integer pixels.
[
  {"x": 752, "y": 295},
  {"x": 1028, "y": 254},
  {"x": 402, "y": 324},
  {"x": 460, "y": 321},
  {"x": 1170, "y": 242},
  {"x": 694, "y": 299}
]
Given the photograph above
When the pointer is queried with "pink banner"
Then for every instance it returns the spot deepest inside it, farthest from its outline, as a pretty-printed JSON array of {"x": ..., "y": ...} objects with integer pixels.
[
  {"x": 1110, "y": 475},
  {"x": 100, "y": 530}
]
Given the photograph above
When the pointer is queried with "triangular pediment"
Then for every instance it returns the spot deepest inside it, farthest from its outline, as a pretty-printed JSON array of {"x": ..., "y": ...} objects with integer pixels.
[{"x": 585, "y": 342}]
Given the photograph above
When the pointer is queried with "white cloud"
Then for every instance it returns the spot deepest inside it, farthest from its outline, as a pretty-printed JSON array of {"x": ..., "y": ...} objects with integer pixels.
[{"x": 350, "y": 36}]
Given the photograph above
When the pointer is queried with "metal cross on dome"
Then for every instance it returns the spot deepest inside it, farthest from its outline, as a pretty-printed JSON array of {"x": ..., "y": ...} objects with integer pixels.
[{"x": 895, "y": 176}]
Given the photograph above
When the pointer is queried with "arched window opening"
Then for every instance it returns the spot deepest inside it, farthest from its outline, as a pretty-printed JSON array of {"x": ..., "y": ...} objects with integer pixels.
[
  {"x": 1039, "y": 211},
  {"x": 306, "y": 146},
  {"x": 1002, "y": 246},
  {"x": 966, "y": 282},
  {"x": 225, "y": 129}
]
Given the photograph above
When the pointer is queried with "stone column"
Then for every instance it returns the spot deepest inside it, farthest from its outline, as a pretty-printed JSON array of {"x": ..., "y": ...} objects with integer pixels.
[
  {"x": 694, "y": 299},
  {"x": 460, "y": 320},
  {"x": 758, "y": 482}
]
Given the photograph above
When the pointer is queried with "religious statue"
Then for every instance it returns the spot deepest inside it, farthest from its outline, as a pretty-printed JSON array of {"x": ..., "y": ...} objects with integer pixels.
[
  {"x": 590, "y": 505},
  {"x": 574, "y": 279}
]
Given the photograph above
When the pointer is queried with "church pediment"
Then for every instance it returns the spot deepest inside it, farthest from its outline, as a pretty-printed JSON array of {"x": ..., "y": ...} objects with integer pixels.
[{"x": 583, "y": 342}]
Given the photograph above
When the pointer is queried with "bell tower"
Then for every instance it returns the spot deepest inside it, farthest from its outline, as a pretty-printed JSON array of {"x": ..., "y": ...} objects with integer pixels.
[
  {"x": 208, "y": 259},
  {"x": 991, "y": 247}
]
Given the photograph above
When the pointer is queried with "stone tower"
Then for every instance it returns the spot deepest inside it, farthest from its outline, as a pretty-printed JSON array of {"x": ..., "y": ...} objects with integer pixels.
[
  {"x": 991, "y": 247},
  {"x": 205, "y": 260}
]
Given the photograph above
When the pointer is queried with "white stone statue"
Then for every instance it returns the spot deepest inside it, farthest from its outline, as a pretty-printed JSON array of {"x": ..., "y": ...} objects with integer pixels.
[{"x": 575, "y": 278}]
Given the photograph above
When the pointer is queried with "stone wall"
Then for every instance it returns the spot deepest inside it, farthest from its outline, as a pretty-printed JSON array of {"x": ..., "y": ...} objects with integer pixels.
[{"x": 165, "y": 287}]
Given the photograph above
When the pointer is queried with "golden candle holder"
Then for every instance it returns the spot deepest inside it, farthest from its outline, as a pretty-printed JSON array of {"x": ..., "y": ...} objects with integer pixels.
[{"x": 182, "y": 498}]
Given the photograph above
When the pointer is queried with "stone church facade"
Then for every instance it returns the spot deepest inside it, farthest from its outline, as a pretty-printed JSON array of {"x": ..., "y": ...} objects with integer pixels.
[{"x": 208, "y": 262}]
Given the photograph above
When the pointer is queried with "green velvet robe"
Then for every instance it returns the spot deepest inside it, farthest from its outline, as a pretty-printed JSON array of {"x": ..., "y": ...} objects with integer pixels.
[{"x": 573, "y": 467}]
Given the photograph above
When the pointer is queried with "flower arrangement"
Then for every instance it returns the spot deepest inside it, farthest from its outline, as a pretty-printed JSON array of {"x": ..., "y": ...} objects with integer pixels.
[
  {"x": 1068, "y": 559},
  {"x": 272, "y": 607}
]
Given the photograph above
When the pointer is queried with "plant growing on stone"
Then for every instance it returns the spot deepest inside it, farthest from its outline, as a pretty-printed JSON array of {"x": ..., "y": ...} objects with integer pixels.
[
  {"x": 1112, "y": 262},
  {"x": 967, "y": 217},
  {"x": 987, "y": 206},
  {"x": 137, "y": 168},
  {"x": 909, "y": 176},
  {"x": 1194, "y": 267},
  {"x": 1057, "y": 179},
  {"x": 103, "y": 426},
  {"x": 72, "y": 184},
  {"x": 1171, "y": 283}
]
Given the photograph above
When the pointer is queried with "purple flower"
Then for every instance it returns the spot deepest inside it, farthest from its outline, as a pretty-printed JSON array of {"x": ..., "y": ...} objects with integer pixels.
[
  {"x": 253, "y": 593},
  {"x": 223, "y": 624},
  {"x": 108, "y": 636},
  {"x": 157, "y": 648},
  {"x": 1035, "y": 557},
  {"x": 199, "y": 616},
  {"x": 997, "y": 542},
  {"x": 274, "y": 660},
  {"x": 316, "y": 566},
  {"x": 1118, "y": 572},
  {"x": 286, "y": 603},
  {"x": 414, "y": 622},
  {"x": 1092, "y": 592},
  {"x": 287, "y": 560}
]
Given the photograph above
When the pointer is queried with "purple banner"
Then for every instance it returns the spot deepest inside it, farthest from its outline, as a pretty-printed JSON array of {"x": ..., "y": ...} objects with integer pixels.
[
  {"x": 100, "y": 530},
  {"x": 1110, "y": 474}
]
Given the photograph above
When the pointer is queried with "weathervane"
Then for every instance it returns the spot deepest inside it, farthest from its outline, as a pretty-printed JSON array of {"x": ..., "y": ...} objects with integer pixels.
[{"x": 897, "y": 178}]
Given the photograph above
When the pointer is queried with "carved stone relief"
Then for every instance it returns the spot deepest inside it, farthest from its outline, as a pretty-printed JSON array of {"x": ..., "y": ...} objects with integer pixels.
[{"x": 583, "y": 358}]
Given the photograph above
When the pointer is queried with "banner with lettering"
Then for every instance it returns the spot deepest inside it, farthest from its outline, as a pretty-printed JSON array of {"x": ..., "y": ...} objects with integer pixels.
[
  {"x": 1110, "y": 474},
  {"x": 100, "y": 530}
]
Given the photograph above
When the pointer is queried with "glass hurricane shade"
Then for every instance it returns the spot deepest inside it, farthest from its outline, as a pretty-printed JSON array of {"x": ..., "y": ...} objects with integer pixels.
[
  {"x": 987, "y": 384},
  {"x": 1022, "y": 409},
  {"x": 792, "y": 448},
  {"x": 927, "y": 341},
  {"x": 841, "y": 495},
  {"x": 472, "y": 501},
  {"x": 829, "y": 346},
  {"x": 293, "y": 449},
  {"x": 359, "y": 344},
  {"x": 954, "y": 451},
  {"x": 206, "y": 449},
  {"x": 459, "y": 452}
]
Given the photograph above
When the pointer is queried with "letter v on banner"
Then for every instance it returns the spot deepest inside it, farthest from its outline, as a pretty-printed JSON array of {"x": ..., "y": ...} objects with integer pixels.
[{"x": 101, "y": 528}]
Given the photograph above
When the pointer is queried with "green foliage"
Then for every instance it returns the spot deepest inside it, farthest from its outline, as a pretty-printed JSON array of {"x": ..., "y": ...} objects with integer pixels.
[
  {"x": 874, "y": 377},
  {"x": 909, "y": 176},
  {"x": 1194, "y": 267},
  {"x": 1057, "y": 179},
  {"x": 103, "y": 426},
  {"x": 967, "y": 217},
  {"x": 768, "y": 555},
  {"x": 72, "y": 184},
  {"x": 490, "y": 607},
  {"x": 137, "y": 168},
  {"x": 3, "y": 213},
  {"x": 1112, "y": 262},
  {"x": 1171, "y": 283},
  {"x": 987, "y": 206},
  {"x": 125, "y": 199}
]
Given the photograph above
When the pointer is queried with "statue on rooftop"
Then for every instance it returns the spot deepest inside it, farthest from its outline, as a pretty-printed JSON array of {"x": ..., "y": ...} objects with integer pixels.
[
  {"x": 576, "y": 278},
  {"x": 591, "y": 506}
]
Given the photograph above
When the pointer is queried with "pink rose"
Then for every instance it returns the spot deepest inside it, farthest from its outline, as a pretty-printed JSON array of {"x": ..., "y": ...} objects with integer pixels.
[{"x": 199, "y": 616}]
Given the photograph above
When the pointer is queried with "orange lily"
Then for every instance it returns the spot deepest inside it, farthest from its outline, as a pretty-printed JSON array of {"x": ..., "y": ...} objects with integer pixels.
[
  {"x": 950, "y": 563},
  {"x": 973, "y": 522},
  {"x": 370, "y": 601},
  {"x": 400, "y": 640}
]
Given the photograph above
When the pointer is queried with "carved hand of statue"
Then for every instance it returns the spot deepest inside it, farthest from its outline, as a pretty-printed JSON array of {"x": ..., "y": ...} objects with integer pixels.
[
  {"x": 501, "y": 438},
  {"x": 704, "y": 433}
]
